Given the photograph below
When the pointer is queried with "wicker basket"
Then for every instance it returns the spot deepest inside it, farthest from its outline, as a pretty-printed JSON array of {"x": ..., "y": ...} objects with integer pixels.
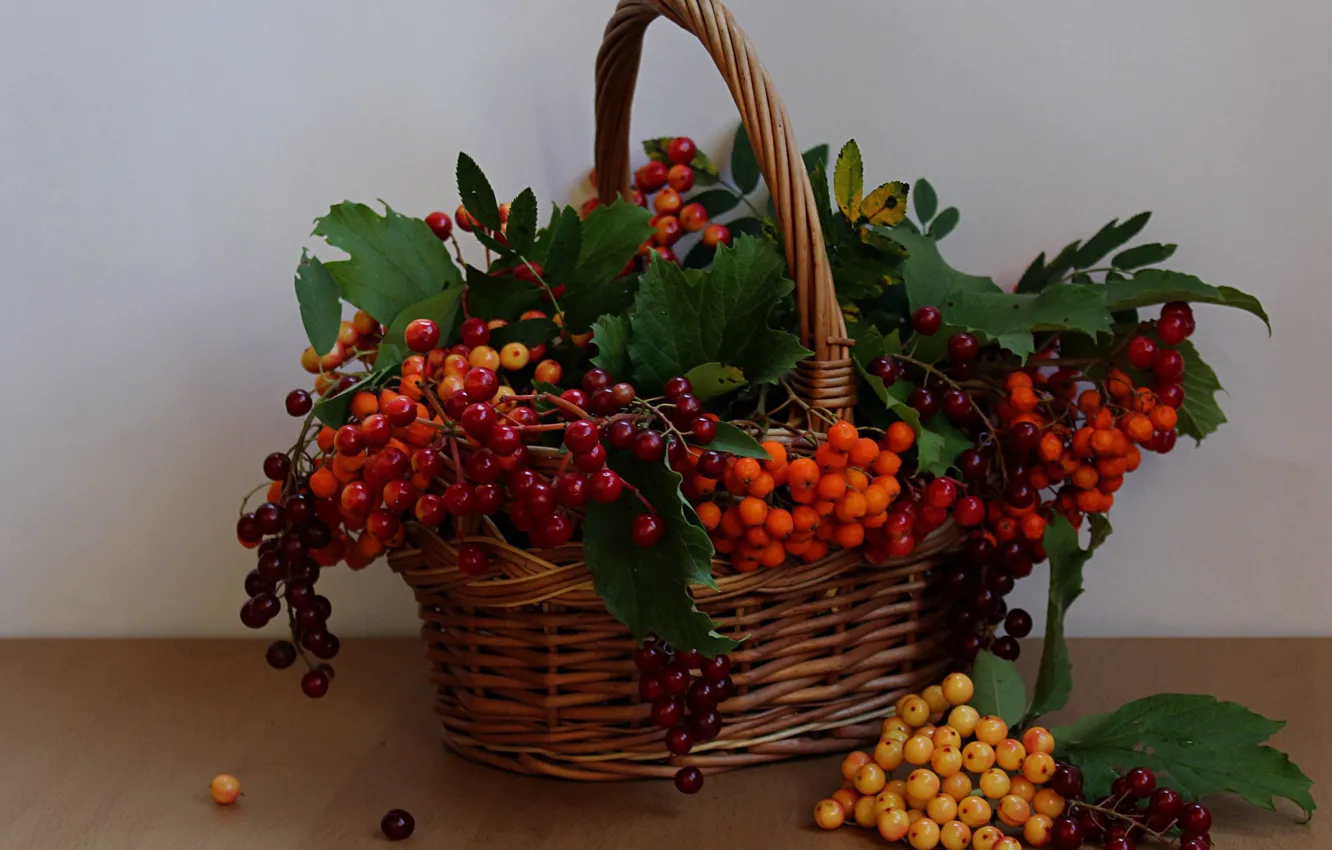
[{"x": 535, "y": 676}]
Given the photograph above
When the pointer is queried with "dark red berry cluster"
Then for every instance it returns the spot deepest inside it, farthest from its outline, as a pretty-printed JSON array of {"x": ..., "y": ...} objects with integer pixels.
[
  {"x": 684, "y": 690},
  {"x": 1137, "y": 808}
]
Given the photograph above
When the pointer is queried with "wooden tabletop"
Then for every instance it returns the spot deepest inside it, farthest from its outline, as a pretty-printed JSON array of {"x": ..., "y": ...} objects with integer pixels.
[{"x": 112, "y": 744}]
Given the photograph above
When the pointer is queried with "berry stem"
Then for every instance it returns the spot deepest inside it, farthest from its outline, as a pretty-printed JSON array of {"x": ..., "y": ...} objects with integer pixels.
[
  {"x": 1120, "y": 816},
  {"x": 735, "y": 190},
  {"x": 245, "y": 500},
  {"x": 809, "y": 410},
  {"x": 564, "y": 330},
  {"x": 457, "y": 249},
  {"x": 994, "y": 432}
]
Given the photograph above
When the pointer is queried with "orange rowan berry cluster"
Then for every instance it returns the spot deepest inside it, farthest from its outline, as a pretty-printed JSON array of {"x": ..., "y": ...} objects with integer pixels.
[
  {"x": 949, "y": 752},
  {"x": 845, "y": 496}
]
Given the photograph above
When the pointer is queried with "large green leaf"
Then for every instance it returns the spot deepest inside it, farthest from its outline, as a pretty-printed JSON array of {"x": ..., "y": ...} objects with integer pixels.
[
  {"x": 1157, "y": 286},
  {"x": 929, "y": 279},
  {"x": 610, "y": 334},
  {"x": 717, "y": 201},
  {"x": 395, "y": 261},
  {"x": 744, "y": 166},
  {"x": 1107, "y": 239},
  {"x": 925, "y": 200},
  {"x": 530, "y": 332},
  {"x": 999, "y": 689},
  {"x": 647, "y": 588},
  {"x": 1142, "y": 255},
  {"x": 1197, "y": 744},
  {"x": 685, "y": 320},
  {"x": 944, "y": 223},
  {"x": 499, "y": 296},
  {"x": 732, "y": 440},
  {"x": 1010, "y": 318},
  {"x": 1200, "y": 415},
  {"x": 321, "y": 303},
  {"x": 849, "y": 180},
  {"x": 442, "y": 309},
  {"x": 610, "y": 237},
  {"x": 566, "y": 241},
  {"x": 522, "y": 225},
  {"x": 477, "y": 195},
  {"x": 1055, "y": 680}
]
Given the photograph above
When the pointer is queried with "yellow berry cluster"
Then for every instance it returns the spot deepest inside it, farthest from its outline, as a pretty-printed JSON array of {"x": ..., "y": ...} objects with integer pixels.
[{"x": 962, "y": 774}]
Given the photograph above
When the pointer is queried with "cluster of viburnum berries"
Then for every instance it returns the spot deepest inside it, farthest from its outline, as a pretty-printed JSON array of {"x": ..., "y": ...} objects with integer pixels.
[
  {"x": 1049, "y": 437},
  {"x": 965, "y": 771}
]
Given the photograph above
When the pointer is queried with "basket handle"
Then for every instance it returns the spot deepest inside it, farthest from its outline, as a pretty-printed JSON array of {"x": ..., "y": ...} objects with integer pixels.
[{"x": 828, "y": 379}]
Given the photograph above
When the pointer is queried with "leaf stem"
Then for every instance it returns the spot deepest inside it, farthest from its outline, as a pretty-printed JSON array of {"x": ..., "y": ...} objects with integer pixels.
[
  {"x": 735, "y": 190},
  {"x": 994, "y": 432},
  {"x": 564, "y": 329}
]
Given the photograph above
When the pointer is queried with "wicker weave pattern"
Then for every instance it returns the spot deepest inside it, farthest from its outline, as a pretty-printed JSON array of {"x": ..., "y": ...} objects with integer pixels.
[{"x": 535, "y": 676}]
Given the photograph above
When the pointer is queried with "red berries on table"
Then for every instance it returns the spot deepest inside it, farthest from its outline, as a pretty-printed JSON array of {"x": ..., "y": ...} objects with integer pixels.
[
  {"x": 225, "y": 789},
  {"x": 314, "y": 684},
  {"x": 440, "y": 224},
  {"x": 927, "y": 321},
  {"x": 421, "y": 335},
  {"x": 397, "y": 825},
  {"x": 681, "y": 150},
  {"x": 689, "y": 780}
]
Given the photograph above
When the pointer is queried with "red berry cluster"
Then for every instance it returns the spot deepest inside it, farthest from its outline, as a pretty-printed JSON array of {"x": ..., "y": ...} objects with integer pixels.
[
  {"x": 1136, "y": 808},
  {"x": 683, "y": 704}
]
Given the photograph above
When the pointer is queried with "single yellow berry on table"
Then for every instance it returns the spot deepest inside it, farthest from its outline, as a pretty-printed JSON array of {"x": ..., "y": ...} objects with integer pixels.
[
  {"x": 914, "y": 710},
  {"x": 935, "y": 699},
  {"x": 994, "y": 783},
  {"x": 828, "y": 814},
  {"x": 870, "y": 779},
  {"x": 893, "y": 824},
  {"x": 991, "y": 730},
  {"x": 225, "y": 788},
  {"x": 947, "y": 736},
  {"x": 864, "y": 812},
  {"x": 917, "y": 750},
  {"x": 1048, "y": 802},
  {"x": 986, "y": 838},
  {"x": 958, "y": 689},
  {"x": 975, "y": 812},
  {"x": 1039, "y": 740},
  {"x": 1039, "y": 768},
  {"x": 1036, "y": 830},
  {"x": 889, "y": 800},
  {"x": 846, "y": 798},
  {"x": 946, "y": 761},
  {"x": 888, "y": 755},
  {"x": 942, "y": 809},
  {"x": 964, "y": 719},
  {"x": 977, "y": 757},
  {"x": 956, "y": 786},
  {"x": 924, "y": 834},
  {"x": 1013, "y": 810},
  {"x": 1009, "y": 754},
  {"x": 955, "y": 835},
  {"x": 853, "y": 762},
  {"x": 922, "y": 784}
]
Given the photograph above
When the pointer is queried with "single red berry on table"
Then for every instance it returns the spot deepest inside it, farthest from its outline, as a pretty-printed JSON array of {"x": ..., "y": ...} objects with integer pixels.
[
  {"x": 681, "y": 150},
  {"x": 421, "y": 335},
  {"x": 440, "y": 224},
  {"x": 1195, "y": 817},
  {"x": 689, "y": 780},
  {"x": 314, "y": 684},
  {"x": 397, "y": 825},
  {"x": 1195, "y": 842},
  {"x": 927, "y": 321}
]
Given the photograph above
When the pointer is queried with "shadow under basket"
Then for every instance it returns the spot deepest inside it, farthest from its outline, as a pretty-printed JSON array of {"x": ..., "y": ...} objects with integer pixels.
[{"x": 534, "y": 676}]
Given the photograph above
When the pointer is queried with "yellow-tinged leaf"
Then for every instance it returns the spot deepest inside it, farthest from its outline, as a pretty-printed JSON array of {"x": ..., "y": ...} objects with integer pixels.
[
  {"x": 886, "y": 206},
  {"x": 849, "y": 181}
]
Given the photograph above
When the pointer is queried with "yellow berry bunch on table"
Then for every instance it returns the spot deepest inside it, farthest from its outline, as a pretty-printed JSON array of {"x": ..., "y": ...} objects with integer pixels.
[{"x": 944, "y": 776}]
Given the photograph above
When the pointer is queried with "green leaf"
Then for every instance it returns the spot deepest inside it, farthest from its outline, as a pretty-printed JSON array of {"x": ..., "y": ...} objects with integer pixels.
[
  {"x": 925, "y": 200},
  {"x": 395, "y": 261},
  {"x": 500, "y": 296},
  {"x": 748, "y": 226},
  {"x": 611, "y": 235},
  {"x": 849, "y": 181},
  {"x": 1157, "y": 286},
  {"x": 647, "y": 588},
  {"x": 1055, "y": 680},
  {"x": 886, "y": 205},
  {"x": 610, "y": 334},
  {"x": 1203, "y": 745},
  {"x": 541, "y": 247},
  {"x": 716, "y": 201},
  {"x": 732, "y": 440},
  {"x": 816, "y": 157},
  {"x": 929, "y": 279},
  {"x": 938, "y": 444},
  {"x": 1199, "y": 415},
  {"x": 522, "y": 225},
  {"x": 887, "y": 245},
  {"x": 713, "y": 380},
  {"x": 1107, "y": 239},
  {"x": 705, "y": 173},
  {"x": 321, "y": 303},
  {"x": 530, "y": 332},
  {"x": 566, "y": 243},
  {"x": 476, "y": 194},
  {"x": 818, "y": 178},
  {"x": 1143, "y": 255},
  {"x": 944, "y": 223},
  {"x": 1062, "y": 264},
  {"x": 1010, "y": 318},
  {"x": 699, "y": 257},
  {"x": 1033, "y": 279},
  {"x": 656, "y": 148},
  {"x": 999, "y": 689},
  {"x": 681, "y": 321},
  {"x": 744, "y": 165},
  {"x": 335, "y": 410},
  {"x": 442, "y": 309}
]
